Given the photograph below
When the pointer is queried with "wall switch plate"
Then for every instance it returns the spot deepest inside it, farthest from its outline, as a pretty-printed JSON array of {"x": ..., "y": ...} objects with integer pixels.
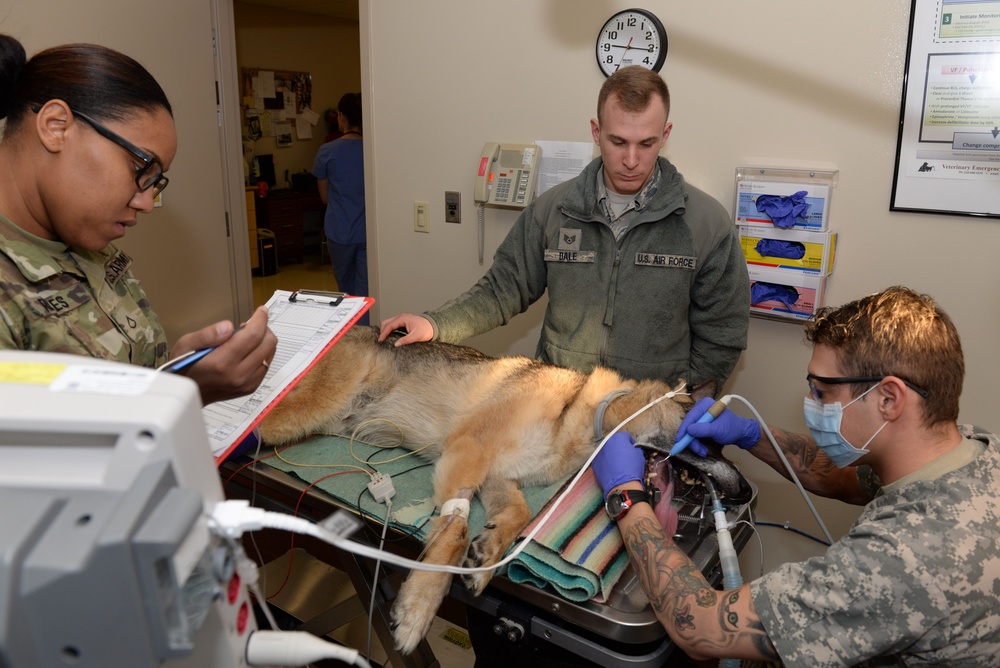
[
  {"x": 452, "y": 206},
  {"x": 421, "y": 216}
]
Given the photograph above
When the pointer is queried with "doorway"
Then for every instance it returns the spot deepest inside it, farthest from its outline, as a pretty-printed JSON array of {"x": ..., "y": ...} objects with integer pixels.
[{"x": 321, "y": 39}]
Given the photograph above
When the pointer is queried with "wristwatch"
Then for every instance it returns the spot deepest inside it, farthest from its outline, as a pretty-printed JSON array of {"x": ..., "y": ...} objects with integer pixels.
[{"x": 618, "y": 504}]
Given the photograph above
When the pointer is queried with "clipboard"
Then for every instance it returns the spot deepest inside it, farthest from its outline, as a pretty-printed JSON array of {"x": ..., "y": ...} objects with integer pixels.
[{"x": 307, "y": 323}]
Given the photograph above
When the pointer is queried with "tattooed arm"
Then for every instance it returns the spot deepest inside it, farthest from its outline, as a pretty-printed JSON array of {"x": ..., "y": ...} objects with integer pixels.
[
  {"x": 703, "y": 622},
  {"x": 819, "y": 475}
]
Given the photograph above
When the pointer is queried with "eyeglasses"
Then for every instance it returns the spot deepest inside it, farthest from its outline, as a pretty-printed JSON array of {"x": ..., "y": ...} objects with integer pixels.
[
  {"x": 150, "y": 175},
  {"x": 817, "y": 393}
]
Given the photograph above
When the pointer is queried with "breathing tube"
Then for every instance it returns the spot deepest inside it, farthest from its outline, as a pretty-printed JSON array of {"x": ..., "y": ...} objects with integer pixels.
[{"x": 728, "y": 559}]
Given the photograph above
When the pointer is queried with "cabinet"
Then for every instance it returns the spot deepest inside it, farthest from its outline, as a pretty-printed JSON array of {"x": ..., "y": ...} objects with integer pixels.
[{"x": 282, "y": 211}]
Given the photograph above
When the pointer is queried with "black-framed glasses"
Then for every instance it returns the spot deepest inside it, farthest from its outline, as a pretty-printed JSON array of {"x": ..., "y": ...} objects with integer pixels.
[
  {"x": 150, "y": 175},
  {"x": 817, "y": 393}
]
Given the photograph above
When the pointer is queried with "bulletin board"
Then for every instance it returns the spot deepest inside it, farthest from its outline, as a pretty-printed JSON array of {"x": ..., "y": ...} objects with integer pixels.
[
  {"x": 948, "y": 149},
  {"x": 277, "y": 103}
]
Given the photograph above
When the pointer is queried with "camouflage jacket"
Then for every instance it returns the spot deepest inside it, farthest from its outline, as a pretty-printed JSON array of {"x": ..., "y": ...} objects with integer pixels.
[
  {"x": 915, "y": 582},
  {"x": 57, "y": 299}
]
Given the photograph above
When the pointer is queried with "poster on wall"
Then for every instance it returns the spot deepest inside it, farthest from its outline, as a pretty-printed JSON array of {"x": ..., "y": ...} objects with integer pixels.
[{"x": 948, "y": 150}]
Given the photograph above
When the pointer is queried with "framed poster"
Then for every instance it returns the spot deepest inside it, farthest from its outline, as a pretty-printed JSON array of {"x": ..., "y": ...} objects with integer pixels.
[{"x": 948, "y": 149}]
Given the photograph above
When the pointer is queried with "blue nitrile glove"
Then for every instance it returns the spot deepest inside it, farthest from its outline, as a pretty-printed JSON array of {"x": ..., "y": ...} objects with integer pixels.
[
  {"x": 618, "y": 462},
  {"x": 789, "y": 250},
  {"x": 761, "y": 291},
  {"x": 725, "y": 429},
  {"x": 784, "y": 210}
]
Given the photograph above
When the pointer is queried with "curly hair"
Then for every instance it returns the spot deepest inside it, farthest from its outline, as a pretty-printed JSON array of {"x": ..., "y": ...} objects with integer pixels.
[{"x": 901, "y": 333}]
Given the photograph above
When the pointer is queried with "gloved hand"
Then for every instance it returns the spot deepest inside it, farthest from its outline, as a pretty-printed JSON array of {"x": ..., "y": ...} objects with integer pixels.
[
  {"x": 618, "y": 462},
  {"x": 725, "y": 429}
]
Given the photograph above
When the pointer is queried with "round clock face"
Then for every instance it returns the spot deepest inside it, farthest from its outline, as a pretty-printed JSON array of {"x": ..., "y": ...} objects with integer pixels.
[{"x": 631, "y": 37}]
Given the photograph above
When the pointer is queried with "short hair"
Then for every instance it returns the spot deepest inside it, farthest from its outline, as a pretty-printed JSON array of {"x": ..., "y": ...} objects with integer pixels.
[
  {"x": 350, "y": 107},
  {"x": 92, "y": 79},
  {"x": 897, "y": 332},
  {"x": 634, "y": 86}
]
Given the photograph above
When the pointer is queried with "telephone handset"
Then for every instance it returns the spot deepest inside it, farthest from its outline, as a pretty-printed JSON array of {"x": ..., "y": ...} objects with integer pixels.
[{"x": 507, "y": 177}]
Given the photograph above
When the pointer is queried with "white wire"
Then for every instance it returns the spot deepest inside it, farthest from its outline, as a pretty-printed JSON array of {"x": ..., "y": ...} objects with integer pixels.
[
  {"x": 788, "y": 467},
  {"x": 371, "y": 606}
]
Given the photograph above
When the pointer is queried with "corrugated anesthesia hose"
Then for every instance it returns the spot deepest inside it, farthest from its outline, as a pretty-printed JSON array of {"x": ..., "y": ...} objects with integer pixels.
[{"x": 728, "y": 559}]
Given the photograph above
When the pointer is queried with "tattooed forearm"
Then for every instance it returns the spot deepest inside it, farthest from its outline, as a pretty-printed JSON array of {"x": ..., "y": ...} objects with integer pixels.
[
  {"x": 702, "y": 620},
  {"x": 659, "y": 562},
  {"x": 801, "y": 451}
]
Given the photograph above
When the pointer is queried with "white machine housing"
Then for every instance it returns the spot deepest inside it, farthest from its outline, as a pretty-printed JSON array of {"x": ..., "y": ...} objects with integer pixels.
[{"x": 106, "y": 480}]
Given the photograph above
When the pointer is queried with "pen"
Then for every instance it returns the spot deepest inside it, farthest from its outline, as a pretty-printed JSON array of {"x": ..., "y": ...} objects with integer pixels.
[
  {"x": 714, "y": 411},
  {"x": 188, "y": 359}
]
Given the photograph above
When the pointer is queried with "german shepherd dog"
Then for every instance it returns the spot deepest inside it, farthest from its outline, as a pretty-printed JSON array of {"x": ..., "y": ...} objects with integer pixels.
[{"x": 496, "y": 424}]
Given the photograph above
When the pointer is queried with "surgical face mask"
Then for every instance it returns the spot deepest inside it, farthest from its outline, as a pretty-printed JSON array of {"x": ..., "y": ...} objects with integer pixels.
[{"x": 824, "y": 421}]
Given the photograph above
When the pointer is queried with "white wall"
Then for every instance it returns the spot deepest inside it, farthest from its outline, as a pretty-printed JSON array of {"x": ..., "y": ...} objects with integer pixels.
[{"x": 780, "y": 83}]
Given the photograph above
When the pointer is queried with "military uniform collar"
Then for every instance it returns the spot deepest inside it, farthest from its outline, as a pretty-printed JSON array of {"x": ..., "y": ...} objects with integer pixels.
[{"x": 641, "y": 198}]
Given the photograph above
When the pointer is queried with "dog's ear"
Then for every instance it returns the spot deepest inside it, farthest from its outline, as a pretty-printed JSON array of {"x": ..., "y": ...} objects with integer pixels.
[{"x": 706, "y": 389}]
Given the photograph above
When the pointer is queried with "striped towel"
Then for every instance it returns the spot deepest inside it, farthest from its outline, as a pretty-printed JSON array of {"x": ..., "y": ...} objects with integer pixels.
[{"x": 578, "y": 552}]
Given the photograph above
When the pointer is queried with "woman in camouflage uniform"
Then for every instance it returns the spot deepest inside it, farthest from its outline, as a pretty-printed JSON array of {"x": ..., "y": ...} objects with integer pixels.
[{"x": 89, "y": 134}]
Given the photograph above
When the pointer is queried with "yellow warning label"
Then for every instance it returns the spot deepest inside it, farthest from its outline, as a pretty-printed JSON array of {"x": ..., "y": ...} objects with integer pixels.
[
  {"x": 29, "y": 373},
  {"x": 458, "y": 637}
]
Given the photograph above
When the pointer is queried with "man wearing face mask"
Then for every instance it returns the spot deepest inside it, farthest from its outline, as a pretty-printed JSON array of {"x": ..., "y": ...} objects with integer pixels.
[{"x": 916, "y": 581}]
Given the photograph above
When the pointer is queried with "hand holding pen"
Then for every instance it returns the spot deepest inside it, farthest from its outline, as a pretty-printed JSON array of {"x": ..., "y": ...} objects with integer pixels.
[{"x": 224, "y": 360}]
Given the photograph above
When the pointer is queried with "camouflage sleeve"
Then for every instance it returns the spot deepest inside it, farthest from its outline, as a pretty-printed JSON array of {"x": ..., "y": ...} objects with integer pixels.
[
  {"x": 6, "y": 335},
  {"x": 817, "y": 612}
]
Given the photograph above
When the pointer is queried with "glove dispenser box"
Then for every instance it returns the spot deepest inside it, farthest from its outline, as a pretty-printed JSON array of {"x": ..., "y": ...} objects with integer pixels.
[
  {"x": 785, "y": 295},
  {"x": 789, "y": 249}
]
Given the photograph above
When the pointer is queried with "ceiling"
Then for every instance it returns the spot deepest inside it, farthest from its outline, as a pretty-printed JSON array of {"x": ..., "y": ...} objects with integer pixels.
[{"x": 339, "y": 9}]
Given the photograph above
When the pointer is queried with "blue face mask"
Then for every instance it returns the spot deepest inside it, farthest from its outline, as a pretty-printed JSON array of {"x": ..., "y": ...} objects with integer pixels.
[{"x": 824, "y": 421}]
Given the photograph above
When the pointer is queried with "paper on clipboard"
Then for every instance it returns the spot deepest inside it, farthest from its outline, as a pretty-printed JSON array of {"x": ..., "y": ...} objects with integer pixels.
[{"x": 305, "y": 329}]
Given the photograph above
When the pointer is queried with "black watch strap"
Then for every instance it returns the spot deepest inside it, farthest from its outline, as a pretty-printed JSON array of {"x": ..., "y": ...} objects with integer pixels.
[{"x": 619, "y": 503}]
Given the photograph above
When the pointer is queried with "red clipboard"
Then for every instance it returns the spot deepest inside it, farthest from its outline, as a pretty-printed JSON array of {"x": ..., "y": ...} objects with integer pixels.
[{"x": 299, "y": 297}]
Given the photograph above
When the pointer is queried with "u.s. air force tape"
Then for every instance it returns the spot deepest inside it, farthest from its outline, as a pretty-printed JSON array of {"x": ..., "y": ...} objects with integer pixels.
[
  {"x": 458, "y": 507},
  {"x": 664, "y": 260}
]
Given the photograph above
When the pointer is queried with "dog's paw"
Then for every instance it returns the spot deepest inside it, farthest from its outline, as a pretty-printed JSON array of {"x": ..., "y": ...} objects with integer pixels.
[
  {"x": 413, "y": 612},
  {"x": 482, "y": 552}
]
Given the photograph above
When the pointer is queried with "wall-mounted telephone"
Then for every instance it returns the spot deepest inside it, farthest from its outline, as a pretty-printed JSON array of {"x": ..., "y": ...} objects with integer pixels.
[{"x": 507, "y": 177}]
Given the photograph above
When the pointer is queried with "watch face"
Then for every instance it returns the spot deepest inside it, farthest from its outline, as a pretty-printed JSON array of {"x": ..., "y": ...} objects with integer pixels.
[
  {"x": 615, "y": 505},
  {"x": 632, "y": 37}
]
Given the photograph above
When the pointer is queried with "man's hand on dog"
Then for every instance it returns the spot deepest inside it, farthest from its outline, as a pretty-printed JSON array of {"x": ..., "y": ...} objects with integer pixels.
[
  {"x": 418, "y": 328},
  {"x": 618, "y": 462},
  {"x": 725, "y": 429}
]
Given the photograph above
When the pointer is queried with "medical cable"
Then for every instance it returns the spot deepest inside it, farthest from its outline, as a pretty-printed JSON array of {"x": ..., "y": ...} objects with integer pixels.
[
  {"x": 236, "y": 517},
  {"x": 728, "y": 558},
  {"x": 788, "y": 467},
  {"x": 788, "y": 527},
  {"x": 371, "y": 605}
]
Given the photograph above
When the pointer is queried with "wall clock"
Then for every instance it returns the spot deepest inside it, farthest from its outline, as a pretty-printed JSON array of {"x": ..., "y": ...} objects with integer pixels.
[{"x": 631, "y": 37}]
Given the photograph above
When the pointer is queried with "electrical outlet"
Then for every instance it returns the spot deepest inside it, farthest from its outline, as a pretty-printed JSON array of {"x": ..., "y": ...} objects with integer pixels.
[
  {"x": 452, "y": 206},
  {"x": 421, "y": 216}
]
